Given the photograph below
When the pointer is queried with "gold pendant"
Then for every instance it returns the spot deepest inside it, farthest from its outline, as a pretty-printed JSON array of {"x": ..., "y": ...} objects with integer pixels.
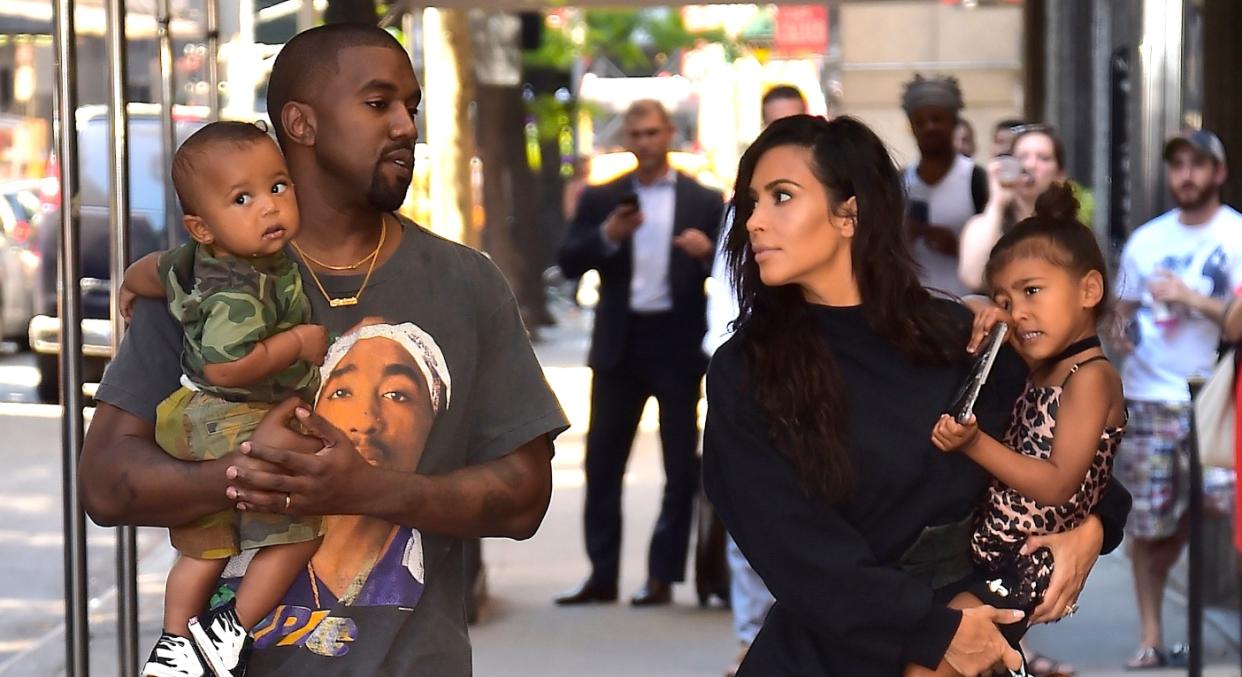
[{"x": 347, "y": 301}]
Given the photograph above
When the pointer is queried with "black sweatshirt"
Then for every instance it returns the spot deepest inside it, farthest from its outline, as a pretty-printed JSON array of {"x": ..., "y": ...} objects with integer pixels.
[{"x": 842, "y": 605}]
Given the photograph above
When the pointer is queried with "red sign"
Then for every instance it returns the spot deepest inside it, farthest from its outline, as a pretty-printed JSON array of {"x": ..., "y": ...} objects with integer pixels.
[{"x": 801, "y": 30}]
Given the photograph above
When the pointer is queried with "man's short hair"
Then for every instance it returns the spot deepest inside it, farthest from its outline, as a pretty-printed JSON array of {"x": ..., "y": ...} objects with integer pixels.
[
  {"x": 783, "y": 92},
  {"x": 188, "y": 159},
  {"x": 310, "y": 59},
  {"x": 646, "y": 107}
]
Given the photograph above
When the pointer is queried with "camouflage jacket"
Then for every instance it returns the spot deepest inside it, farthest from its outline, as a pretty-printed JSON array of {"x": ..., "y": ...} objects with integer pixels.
[{"x": 226, "y": 306}]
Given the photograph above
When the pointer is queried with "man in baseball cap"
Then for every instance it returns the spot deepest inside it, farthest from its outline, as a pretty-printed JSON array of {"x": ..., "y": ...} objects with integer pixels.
[
  {"x": 1178, "y": 274},
  {"x": 1201, "y": 140}
]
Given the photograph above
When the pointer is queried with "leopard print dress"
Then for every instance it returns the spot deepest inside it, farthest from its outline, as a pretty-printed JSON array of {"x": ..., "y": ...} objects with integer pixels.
[{"x": 1008, "y": 517}]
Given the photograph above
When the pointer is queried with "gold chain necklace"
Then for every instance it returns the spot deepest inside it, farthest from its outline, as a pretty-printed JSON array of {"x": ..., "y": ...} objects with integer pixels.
[
  {"x": 329, "y": 266},
  {"x": 348, "y": 300}
]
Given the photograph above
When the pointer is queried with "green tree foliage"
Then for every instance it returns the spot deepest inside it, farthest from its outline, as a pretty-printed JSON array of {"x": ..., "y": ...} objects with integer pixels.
[{"x": 636, "y": 40}]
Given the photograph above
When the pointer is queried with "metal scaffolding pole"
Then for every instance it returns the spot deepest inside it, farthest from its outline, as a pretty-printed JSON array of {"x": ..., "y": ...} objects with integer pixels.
[
  {"x": 213, "y": 58},
  {"x": 168, "y": 129},
  {"x": 118, "y": 218},
  {"x": 1194, "y": 564},
  {"x": 77, "y": 656}
]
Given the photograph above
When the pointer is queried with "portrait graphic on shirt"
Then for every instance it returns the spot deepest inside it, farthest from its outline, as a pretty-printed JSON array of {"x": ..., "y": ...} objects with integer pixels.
[{"x": 383, "y": 385}]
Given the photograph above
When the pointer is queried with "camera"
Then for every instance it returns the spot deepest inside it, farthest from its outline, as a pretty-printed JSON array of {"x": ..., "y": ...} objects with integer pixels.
[{"x": 1009, "y": 172}]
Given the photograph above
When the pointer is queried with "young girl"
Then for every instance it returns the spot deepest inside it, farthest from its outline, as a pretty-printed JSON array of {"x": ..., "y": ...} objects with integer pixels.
[{"x": 1047, "y": 278}]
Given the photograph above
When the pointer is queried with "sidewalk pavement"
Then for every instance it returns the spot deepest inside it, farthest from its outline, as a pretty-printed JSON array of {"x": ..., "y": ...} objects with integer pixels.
[{"x": 521, "y": 631}]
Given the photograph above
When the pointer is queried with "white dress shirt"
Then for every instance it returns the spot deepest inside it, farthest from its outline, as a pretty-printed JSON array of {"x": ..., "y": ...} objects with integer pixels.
[
  {"x": 722, "y": 306},
  {"x": 650, "y": 291}
]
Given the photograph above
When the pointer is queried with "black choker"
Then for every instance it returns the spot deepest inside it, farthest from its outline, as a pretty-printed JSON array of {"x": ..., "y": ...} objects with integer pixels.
[{"x": 1073, "y": 349}]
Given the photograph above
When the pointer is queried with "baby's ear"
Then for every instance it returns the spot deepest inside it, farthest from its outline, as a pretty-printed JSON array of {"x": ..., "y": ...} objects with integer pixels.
[
  {"x": 1092, "y": 289},
  {"x": 197, "y": 228}
]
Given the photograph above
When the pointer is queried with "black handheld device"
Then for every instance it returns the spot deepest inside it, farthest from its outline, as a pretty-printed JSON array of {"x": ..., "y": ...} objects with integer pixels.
[{"x": 963, "y": 406}]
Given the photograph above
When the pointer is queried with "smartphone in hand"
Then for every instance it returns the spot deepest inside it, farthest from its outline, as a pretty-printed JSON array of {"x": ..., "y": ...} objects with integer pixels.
[
  {"x": 629, "y": 200},
  {"x": 963, "y": 406}
]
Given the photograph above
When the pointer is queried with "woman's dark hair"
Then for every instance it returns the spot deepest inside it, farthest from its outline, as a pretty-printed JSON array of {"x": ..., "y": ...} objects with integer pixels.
[
  {"x": 1058, "y": 148},
  {"x": 1056, "y": 235},
  {"x": 796, "y": 380}
]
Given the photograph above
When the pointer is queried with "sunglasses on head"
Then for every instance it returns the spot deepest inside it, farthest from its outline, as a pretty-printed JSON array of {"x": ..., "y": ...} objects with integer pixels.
[{"x": 1039, "y": 127}]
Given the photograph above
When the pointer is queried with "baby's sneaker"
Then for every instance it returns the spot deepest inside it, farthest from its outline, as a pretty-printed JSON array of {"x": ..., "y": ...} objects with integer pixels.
[
  {"x": 174, "y": 656},
  {"x": 223, "y": 640}
]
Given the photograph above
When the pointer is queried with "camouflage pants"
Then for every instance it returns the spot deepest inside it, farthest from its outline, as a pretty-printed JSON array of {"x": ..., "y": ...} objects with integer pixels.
[{"x": 198, "y": 426}]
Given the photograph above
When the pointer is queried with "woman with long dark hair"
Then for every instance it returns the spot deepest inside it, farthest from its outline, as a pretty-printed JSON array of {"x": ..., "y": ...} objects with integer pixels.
[{"x": 817, "y": 450}]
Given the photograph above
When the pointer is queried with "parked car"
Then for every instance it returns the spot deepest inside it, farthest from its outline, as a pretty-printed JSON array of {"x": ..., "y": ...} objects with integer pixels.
[
  {"x": 147, "y": 233},
  {"x": 19, "y": 262}
]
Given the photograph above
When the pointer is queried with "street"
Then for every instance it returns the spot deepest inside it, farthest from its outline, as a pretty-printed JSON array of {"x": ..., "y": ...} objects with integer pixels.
[{"x": 521, "y": 632}]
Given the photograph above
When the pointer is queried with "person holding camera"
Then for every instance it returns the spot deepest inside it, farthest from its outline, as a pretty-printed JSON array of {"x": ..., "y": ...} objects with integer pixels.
[
  {"x": 650, "y": 234},
  {"x": 1014, "y": 182}
]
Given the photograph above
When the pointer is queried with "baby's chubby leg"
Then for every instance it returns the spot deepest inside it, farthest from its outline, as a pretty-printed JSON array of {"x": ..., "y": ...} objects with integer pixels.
[
  {"x": 963, "y": 600},
  {"x": 269, "y": 576},
  {"x": 188, "y": 591}
]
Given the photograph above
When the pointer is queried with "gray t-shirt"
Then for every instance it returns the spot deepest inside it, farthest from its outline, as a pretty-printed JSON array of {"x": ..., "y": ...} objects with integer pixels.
[{"x": 451, "y": 364}]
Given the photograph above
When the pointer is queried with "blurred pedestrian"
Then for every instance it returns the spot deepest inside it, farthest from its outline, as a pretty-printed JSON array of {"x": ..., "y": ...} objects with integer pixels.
[
  {"x": 944, "y": 188},
  {"x": 650, "y": 234},
  {"x": 749, "y": 598},
  {"x": 964, "y": 138},
  {"x": 1014, "y": 183},
  {"x": 782, "y": 101},
  {"x": 817, "y": 453},
  {"x": 1002, "y": 136},
  {"x": 1178, "y": 273}
]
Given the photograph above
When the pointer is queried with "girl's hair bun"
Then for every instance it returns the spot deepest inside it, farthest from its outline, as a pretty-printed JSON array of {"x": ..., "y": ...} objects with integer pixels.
[{"x": 1057, "y": 203}]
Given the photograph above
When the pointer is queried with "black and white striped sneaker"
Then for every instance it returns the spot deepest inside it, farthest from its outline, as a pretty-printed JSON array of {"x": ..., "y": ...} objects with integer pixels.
[
  {"x": 222, "y": 640},
  {"x": 174, "y": 656}
]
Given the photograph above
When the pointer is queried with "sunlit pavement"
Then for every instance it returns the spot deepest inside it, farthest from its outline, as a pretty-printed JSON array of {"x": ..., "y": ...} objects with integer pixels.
[{"x": 521, "y": 632}]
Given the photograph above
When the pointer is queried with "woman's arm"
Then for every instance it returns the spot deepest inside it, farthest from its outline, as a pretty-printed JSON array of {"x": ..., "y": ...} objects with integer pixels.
[
  {"x": 978, "y": 236},
  {"x": 1091, "y": 396},
  {"x": 982, "y": 231},
  {"x": 817, "y": 565},
  {"x": 1233, "y": 321}
]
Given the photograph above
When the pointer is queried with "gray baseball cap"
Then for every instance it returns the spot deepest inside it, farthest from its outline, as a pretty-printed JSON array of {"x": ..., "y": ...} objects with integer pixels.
[{"x": 1201, "y": 140}]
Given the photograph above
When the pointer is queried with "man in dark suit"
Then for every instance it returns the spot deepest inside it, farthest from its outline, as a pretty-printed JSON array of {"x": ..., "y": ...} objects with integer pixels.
[{"x": 650, "y": 235}]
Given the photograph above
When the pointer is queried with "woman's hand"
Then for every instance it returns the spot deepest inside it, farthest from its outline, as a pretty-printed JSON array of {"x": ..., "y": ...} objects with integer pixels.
[
  {"x": 978, "y": 644},
  {"x": 999, "y": 194},
  {"x": 1074, "y": 553}
]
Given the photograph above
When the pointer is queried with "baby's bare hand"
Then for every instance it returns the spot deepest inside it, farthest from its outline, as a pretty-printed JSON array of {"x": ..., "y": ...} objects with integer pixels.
[
  {"x": 125, "y": 303},
  {"x": 314, "y": 339}
]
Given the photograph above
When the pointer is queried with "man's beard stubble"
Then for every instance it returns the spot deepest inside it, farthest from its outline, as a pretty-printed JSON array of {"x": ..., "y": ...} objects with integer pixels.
[
  {"x": 384, "y": 195},
  {"x": 1200, "y": 198}
]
